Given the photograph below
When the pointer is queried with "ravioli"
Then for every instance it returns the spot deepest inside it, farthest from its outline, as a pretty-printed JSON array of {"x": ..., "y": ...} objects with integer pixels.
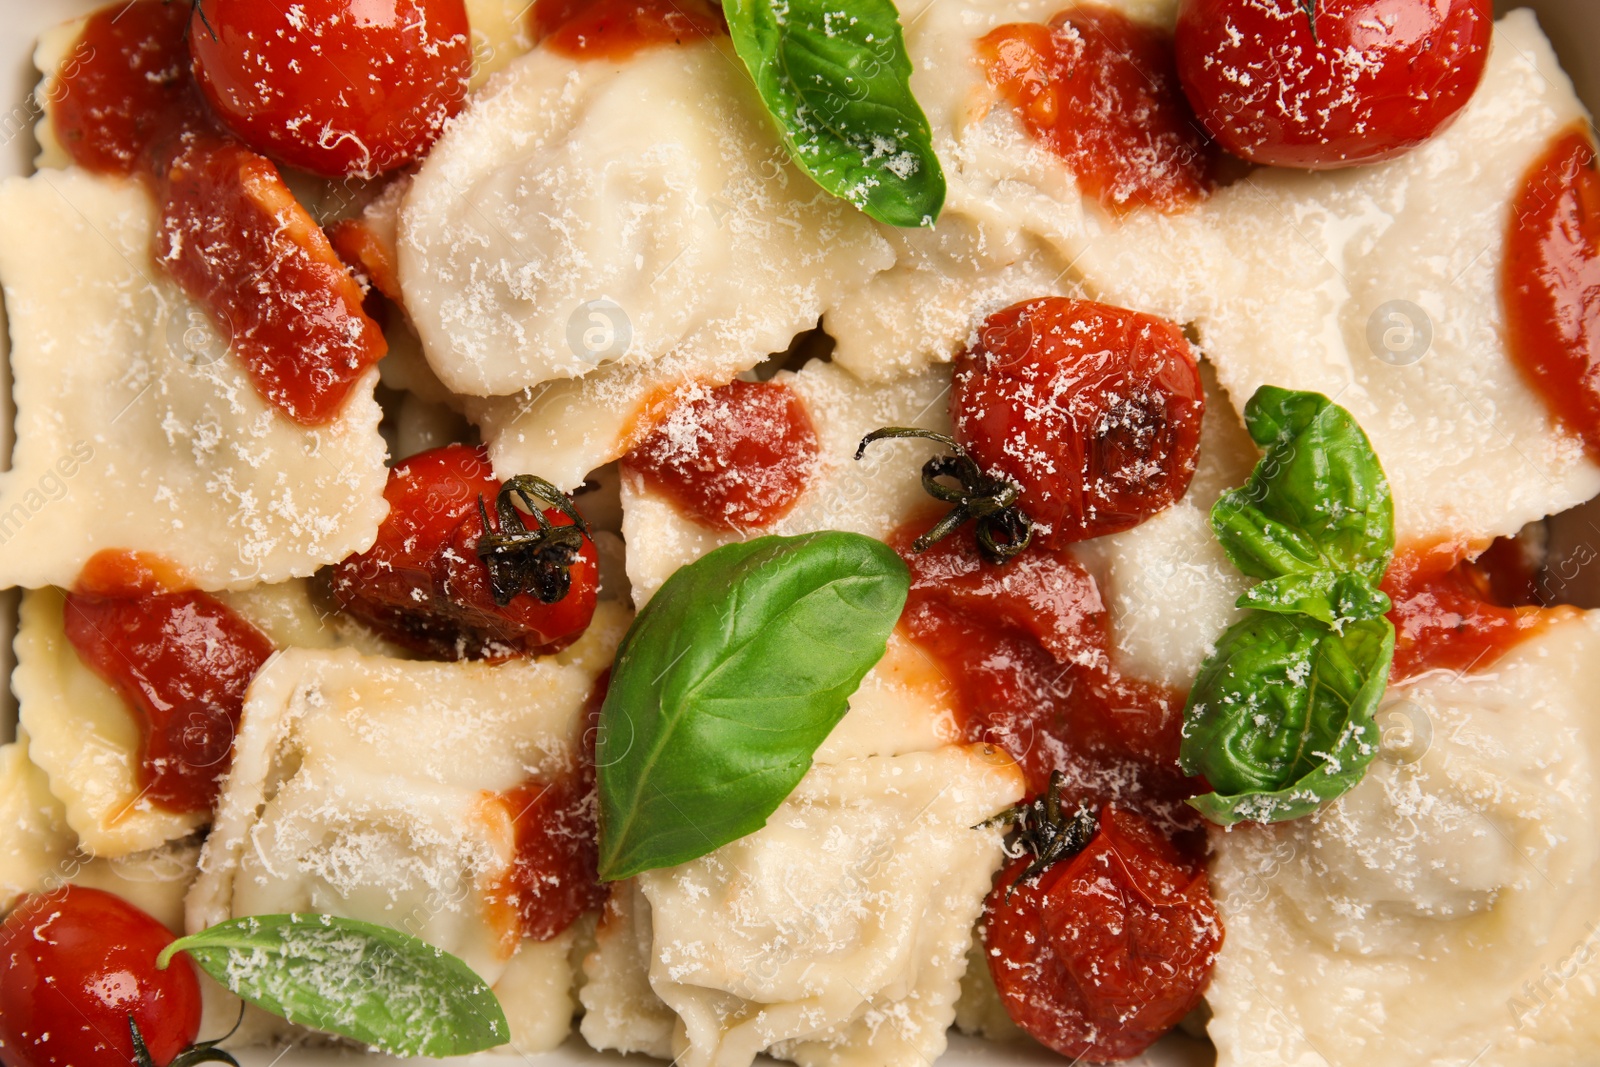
[
  {"x": 137, "y": 430},
  {"x": 1444, "y": 910},
  {"x": 835, "y": 935},
  {"x": 1379, "y": 287},
  {"x": 362, "y": 786},
  {"x": 558, "y": 226}
]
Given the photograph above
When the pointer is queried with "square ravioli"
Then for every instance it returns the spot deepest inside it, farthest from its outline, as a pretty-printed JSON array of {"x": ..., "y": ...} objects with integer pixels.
[
  {"x": 835, "y": 935},
  {"x": 137, "y": 428},
  {"x": 366, "y": 787},
  {"x": 1443, "y": 910}
]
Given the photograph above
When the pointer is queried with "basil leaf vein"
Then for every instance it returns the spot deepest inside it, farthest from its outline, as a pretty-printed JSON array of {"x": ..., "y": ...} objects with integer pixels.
[
  {"x": 727, "y": 682},
  {"x": 356, "y": 979},
  {"x": 838, "y": 82}
]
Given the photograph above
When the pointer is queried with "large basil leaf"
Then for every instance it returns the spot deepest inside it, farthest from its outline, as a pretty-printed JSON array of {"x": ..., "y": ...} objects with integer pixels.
[
  {"x": 1280, "y": 719},
  {"x": 1315, "y": 518},
  {"x": 342, "y": 976},
  {"x": 838, "y": 81},
  {"x": 729, "y": 679}
]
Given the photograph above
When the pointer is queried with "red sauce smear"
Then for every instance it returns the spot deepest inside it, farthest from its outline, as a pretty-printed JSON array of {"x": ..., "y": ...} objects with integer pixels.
[
  {"x": 734, "y": 458},
  {"x": 555, "y": 873},
  {"x": 1101, "y": 91},
  {"x": 1551, "y": 283},
  {"x": 1455, "y": 614},
  {"x": 230, "y": 232},
  {"x": 179, "y": 658},
  {"x": 1026, "y": 648},
  {"x": 616, "y": 29}
]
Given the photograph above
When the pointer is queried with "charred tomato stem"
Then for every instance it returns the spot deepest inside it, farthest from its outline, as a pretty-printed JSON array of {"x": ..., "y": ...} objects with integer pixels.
[
  {"x": 1046, "y": 831},
  {"x": 198, "y": 1053},
  {"x": 537, "y": 561},
  {"x": 1003, "y": 529}
]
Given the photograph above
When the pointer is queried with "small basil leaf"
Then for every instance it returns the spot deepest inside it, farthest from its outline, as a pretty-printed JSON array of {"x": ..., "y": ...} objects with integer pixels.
[
  {"x": 729, "y": 679},
  {"x": 1280, "y": 720},
  {"x": 362, "y": 981},
  {"x": 838, "y": 81},
  {"x": 1318, "y": 500},
  {"x": 1327, "y": 596}
]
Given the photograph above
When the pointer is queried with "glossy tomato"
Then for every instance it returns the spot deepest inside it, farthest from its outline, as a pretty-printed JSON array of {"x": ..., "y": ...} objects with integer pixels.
[
  {"x": 1102, "y": 954},
  {"x": 1350, "y": 82},
  {"x": 1094, "y": 411},
  {"x": 341, "y": 88},
  {"x": 422, "y": 584},
  {"x": 75, "y": 965}
]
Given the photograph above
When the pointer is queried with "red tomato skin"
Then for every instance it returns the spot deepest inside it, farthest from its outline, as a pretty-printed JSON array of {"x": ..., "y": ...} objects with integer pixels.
[
  {"x": 1093, "y": 410},
  {"x": 1103, "y": 953},
  {"x": 422, "y": 585},
  {"x": 337, "y": 88},
  {"x": 736, "y": 457},
  {"x": 1380, "y": 78},
  {"x": 1101, "y": 91},
  {"x": 75, "y": 963}
]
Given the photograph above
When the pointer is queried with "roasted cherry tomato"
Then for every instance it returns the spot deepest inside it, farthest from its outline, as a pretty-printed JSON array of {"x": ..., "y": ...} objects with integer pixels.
[
  {"x": 1100, "y": 955},
  {"x": 1101, "y": 91},
  {"x": 336, "y": 87},
  {"x": 1094, "y": 411},
  {"x": 181, "y": 660},
  {"x": 735, "y": 458},
  {"x": 75, "y": 965},
  {"x": 423, "y": 585},
  {"x": 1349, "y": 82}
]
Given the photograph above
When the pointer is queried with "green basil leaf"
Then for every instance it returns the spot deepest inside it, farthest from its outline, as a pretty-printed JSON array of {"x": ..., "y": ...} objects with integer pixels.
[
  {"x": 1281, "y": 718},
  {"x": 1317, "y": 504},
  {"x": 838, "y": 81},
  {"x": 362, "y": 981},
  {"x": 729, "y": 679}
]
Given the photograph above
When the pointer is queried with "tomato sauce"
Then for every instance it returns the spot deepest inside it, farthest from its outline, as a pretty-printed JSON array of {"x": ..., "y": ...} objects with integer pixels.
[
  {"x": 179, "y": 658},
  {"x": 1455, "y": 614},
  {"x": 1026, "y": 647},
  {"x": 1551, "y": 283},
  {"x": 229, "y": 231},
  {"x": 554, "y": 876},
  {"x": 1101, "y": 91},
  {"x": 733, "y": 458},
  {"x": 617, "y": 29}
]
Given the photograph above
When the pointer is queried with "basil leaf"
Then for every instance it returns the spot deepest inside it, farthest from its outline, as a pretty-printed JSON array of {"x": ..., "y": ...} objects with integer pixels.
[
  {"x": 838, "y": 81},
  {"x": 1317, "y": 509},
  {"x": 355, "y": 979},
  {"x": 725, "y": 685},
  {"x": 1280, "y": 719}
]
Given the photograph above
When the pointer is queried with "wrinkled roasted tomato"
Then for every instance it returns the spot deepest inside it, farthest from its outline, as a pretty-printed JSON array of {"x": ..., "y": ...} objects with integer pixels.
[
  {"x": 75, "y": 965},
  {"x": 1093, "y": 410},
  {"x": 335, "y": 87},
  {"x": 229, "y": 231},
  {"x": 616, "y": 29},
  {"x": 1101, "y": 91},
  {"x": 735, "y": 457},
  {"x": 1551, "y": 283},
  {"x": 180, "y": 659},
  {"x": 1345, "y": 83},
  {"x": 1101, "y": 954},
  {"x": 555, "y": 871},
  {"x": 422, "y": 584}
]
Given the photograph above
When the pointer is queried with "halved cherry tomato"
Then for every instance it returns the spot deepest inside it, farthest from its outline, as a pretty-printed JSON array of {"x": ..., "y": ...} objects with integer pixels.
[
  {"x": 735, "y": 458},
  {"x": 1351, "y": 82},
  {"x": 1093, "y": 410},
  {"x": 75, "y": 965},
  {"x": 181, "y": 660},
  {"x": 341, "y": 88},
  {"x": 1102, "y": 954},
  {"x": 422, "y": 584}
]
